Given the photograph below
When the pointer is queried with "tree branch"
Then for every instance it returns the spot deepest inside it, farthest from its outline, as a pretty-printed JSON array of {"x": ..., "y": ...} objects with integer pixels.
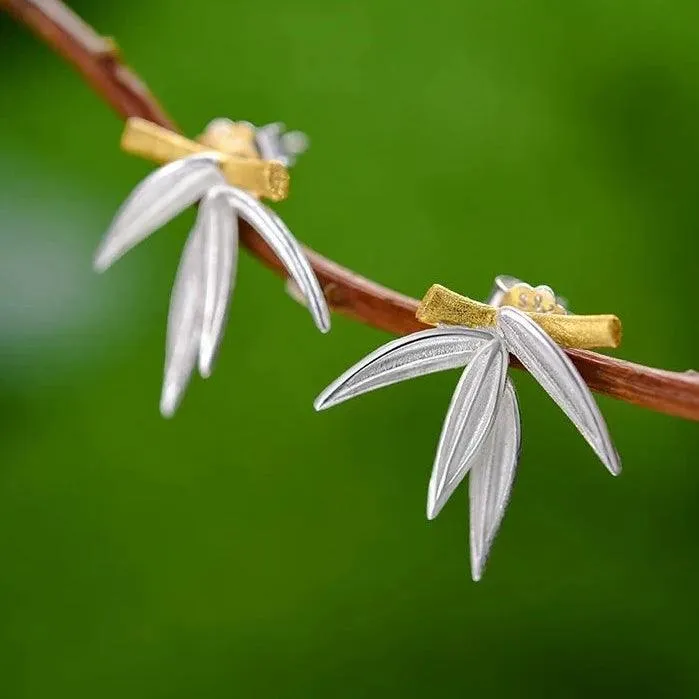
[{"x": 98, "y": 60}]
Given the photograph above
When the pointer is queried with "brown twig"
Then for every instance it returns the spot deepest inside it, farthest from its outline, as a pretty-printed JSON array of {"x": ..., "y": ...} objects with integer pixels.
[{"x": 98, "y": 60}]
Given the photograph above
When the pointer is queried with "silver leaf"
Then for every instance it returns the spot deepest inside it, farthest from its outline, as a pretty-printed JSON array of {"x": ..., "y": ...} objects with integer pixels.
[
  {"x": 304, "y": 276},
  {"x": 552, "y": 368},
  {"x": 287, "y": 249},
  {"x": 219, "y": 226},
  {"x": 491, "y": 478},
  {"x": 424, "y": 352},
  {"x": 184, "y": 323},
  {"x": 468, "y": 421},
  {"x": 156, "y": 200}
]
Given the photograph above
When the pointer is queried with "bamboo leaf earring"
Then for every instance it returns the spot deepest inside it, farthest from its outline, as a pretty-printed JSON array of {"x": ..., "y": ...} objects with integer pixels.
[
  {"x": 481, "y": 431},
  {"x": 230, "y": 167}
]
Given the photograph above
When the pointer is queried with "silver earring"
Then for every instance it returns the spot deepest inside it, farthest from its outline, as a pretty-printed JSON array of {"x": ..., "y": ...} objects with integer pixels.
[
  {"x": 230, "y": 167},
  {"x": 481, "y": 431}
]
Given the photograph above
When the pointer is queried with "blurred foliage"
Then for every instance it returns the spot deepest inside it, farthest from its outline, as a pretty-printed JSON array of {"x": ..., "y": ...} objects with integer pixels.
[{"x": 252, "y": 548}]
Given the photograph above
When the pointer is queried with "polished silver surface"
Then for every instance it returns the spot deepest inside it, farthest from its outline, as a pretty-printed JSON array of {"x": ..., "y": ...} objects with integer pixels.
[
  {"x": 219, "y": 228},
  {"x": 491, "y": 478},
  {"x": 303, "y": 276},
  {"x": 469, "y": 418},
  {"x": 552, "y": 368},
  {"x": 275, "y": 143},
  {"x": 421, "y": 353},
  {"x": 184, "y": 323},
  {"x": 160, "y": 197},
  {"x": 286, "y": 248}
]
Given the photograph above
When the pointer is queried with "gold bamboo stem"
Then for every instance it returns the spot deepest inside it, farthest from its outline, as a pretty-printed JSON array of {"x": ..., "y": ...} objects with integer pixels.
[
  {"x": 263, "y": 178},
  {"x": 441, "y": 305}
]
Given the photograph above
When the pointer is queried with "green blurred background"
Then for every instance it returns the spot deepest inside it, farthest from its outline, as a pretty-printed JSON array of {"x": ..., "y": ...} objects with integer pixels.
[{"x": 251, "y": 548}]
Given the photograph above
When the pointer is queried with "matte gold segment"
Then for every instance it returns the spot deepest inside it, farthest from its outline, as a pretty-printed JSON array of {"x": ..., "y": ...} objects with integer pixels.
[
  {"x": 441, "y": 305},
  {"x": 581, "y": 332},
  {"x": 264, "y": 178}
]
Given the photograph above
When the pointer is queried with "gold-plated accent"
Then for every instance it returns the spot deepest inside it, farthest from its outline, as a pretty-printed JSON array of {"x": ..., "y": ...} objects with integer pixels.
[
  {"x": 535, "y": 300},
  {"x": 441, "y": 305},
  {"x": 263, "y": 178}
]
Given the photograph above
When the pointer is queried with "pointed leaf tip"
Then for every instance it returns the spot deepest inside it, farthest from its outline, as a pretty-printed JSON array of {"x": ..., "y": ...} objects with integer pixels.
[
  {"x": 100, "y": 263},
  {"x": 287, "y": 249},
  {"x": 184, "y": 323},
  {"x": 160, "y": 197},
  {"x": 168, "y": 402},
  {"x": 421, "y": 353},
  {"x": 468, "y": 421},
  {"x": 491, "y": 479},
  {"x": 219, "y": 229},
  {"x": 557, "y": 374}
]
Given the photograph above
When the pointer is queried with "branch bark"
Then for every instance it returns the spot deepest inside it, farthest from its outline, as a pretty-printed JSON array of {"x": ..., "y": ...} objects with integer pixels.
[{"x": 98, "y": 60}]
